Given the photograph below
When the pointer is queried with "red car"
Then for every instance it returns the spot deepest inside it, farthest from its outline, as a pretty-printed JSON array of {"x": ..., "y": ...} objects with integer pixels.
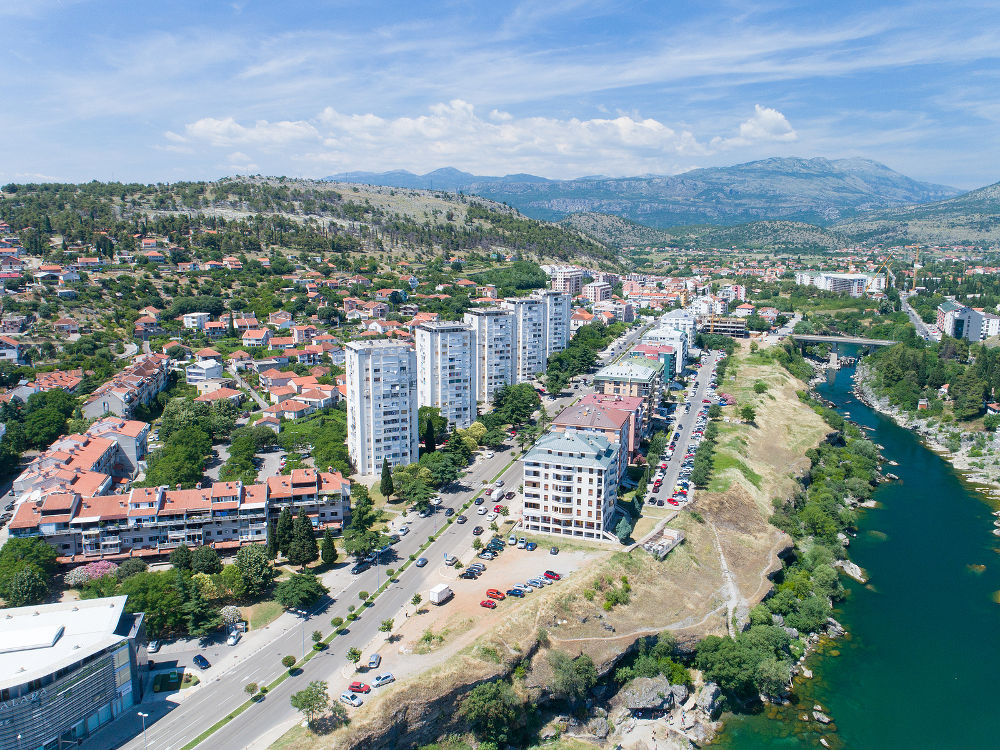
[
  {"x": 672, "y": 501},
  {"x": 489, "y": 491},
  {"x": 359, "y": 687},
  {"x": 705, "y": 401},
  {"x": 488, "y": 604},
  {"x": 497, "y": 508},
  {"x": 552, "y": 575},
  {"x": 663, "y": 465},
  {"x": 496, "y": 594}
]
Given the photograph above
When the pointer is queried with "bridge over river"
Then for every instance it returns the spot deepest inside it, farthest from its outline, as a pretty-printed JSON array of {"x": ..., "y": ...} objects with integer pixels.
[{"x": 836, "y": 342}]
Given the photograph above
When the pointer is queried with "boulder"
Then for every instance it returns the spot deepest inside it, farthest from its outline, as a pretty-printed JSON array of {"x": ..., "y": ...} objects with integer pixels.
[
  {"x": 700, "y": 734},
  {"x": 709, "y": 698},
  {"x": 821, "y": 717},
  {"x": 599, "y": 727},
  {"x": 647, "y": 694},
  {"x": 680, "y": 693},
  {"x": 792, "y": 633},
  {"x": 833, "y": 628},
  {"x": 778, "y": 620}
]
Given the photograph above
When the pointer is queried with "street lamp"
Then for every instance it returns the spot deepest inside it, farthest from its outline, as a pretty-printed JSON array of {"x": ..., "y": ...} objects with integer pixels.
[{"x": 143, "y": 717}]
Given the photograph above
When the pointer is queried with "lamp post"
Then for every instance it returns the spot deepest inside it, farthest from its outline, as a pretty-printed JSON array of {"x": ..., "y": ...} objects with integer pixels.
[{"x": 143, "y": 717}]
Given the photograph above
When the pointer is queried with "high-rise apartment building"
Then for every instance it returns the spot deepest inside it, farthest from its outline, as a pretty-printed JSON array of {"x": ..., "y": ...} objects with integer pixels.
[
  {"x": 557, "y": 320},
  {"x": 381, "y": 404},
  {"x": 493, "y": 356},
  {"x": 597, "y": 291},
  {"x": 530, "y": 323},
  {"x": 570, "y": 485},
  {"x": 567, "y": 280},
  {"x": 444, "y": 371}
]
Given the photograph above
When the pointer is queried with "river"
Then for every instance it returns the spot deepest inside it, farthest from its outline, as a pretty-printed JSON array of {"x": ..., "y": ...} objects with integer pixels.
[{"x": 920, "y": 665}]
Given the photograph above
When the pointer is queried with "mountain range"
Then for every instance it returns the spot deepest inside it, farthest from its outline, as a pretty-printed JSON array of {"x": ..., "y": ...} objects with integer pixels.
[{"x": 816, "y": 191}]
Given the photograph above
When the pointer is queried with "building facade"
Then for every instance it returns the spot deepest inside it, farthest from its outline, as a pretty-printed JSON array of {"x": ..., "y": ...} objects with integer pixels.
[
  {"x": 530, "y": 324},
  {"x": 493, "y": 356},
  {"x": 637, "y": 377},
  {"x": 381, "y": 404},
  {"x": 567, "y": 280},
  {"x": 570, "y": 485},
  {"x": 444, "y": 371},
  {"x": 597, "y": 291},
  {"x": 557, "y": 320},
  {"x": 67, "y": 669}
]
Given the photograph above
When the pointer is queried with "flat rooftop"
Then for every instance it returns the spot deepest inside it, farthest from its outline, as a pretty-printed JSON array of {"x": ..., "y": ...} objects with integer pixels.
[{"x": 37, "y": 641}]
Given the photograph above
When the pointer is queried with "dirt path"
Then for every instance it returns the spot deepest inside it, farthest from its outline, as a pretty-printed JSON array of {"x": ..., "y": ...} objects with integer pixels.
[{"x": 733, "y": 599}]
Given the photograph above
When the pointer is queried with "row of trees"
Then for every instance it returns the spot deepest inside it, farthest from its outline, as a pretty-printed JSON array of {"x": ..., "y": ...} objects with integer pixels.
[{"x": 581, "y": 354}]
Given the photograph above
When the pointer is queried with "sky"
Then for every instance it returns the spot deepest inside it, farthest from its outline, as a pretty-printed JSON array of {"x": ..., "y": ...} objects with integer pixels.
[{"x": 160, "y": 92}]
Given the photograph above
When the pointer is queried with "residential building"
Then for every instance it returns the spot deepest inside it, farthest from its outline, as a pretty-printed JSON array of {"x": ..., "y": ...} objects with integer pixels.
[
  {"x": 672, "y": 337},
  {"x": 256, "y": 338},
  {"x": 530, "y": 323},
  {"x": 493, "y": 357},
  {"x": 951, "y": 318},
  {"x": 665, "y": 354},
  {"x": 680, "y": 320},
  {"x": 597, "y": 291},
  {"x": 600, "y": 419},
  {"x": 579, "y": 319},
  {"x": 557, "y": 320},
  {"x": 381, "y": 404},
  {"x": 444, "y": 371},
  {"x": 150, "y": 522},
  {"x": 205, "y": 369},
  {"x": 722, "y": 326},
  {"x": 633, "y": 376},
  {"x": 567, "y": 280},
  {"x": 196, "y": 320},
  {"x": 570, "y": 485},
  {"x": 633, "y": 405},
  {"x": 12, "y": 350},
  {"x": 134, "y": 386},
  {"x": 622, "y": 310},
  {"x": 853, "y": 284},
  {"x": 67, "y": 669}
]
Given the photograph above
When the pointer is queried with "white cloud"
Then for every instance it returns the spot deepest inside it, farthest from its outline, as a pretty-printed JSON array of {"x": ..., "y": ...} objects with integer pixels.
[
  {"x": 766, "y": 126},
  {"x": 227, "y": 132},
  {"x": 454, "y": 134}
]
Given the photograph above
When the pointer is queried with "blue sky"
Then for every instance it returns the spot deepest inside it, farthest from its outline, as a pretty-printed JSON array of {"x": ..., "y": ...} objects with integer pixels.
[{"x": 561, "y": 88}]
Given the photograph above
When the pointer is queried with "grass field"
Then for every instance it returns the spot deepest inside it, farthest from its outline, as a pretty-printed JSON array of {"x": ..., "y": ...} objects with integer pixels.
[{"x": 262, "y": 614}]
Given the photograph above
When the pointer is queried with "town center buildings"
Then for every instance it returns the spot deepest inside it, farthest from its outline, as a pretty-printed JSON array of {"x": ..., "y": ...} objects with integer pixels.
[{"x": 445, "y": 367}]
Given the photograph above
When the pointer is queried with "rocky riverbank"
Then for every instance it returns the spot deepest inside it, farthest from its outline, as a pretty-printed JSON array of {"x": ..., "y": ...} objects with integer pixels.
[{"x": 957, "y": 447}]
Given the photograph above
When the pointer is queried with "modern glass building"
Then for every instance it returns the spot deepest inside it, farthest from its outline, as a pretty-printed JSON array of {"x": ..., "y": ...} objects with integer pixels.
[{"x": 67, "y": 669}]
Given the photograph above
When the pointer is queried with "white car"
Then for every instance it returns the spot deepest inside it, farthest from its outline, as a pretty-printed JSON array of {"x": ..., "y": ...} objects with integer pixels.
[
  {"x": 498, "y": 483},
  {"x": 491, "y": 517},
  {"x": 404, "y": 530},
  {"x": 491, "y": 454},
  {"x": 383, "y": 679},
  {"x": 481, "y": 510},
  {"x": 351, "y": 700},
  {"x": 233, "y": 638}
]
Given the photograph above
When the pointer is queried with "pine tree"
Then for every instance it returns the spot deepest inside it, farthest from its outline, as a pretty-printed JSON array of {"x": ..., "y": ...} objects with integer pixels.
[
  {"x": 303, "y": 548},
  {"x": 272, "y": 541},
  {"x": 329, "y": 549},
  {"x": 284, "y": 531},
  {"x": 386, "y": 485},
  {"x": 429, "y": 442}
]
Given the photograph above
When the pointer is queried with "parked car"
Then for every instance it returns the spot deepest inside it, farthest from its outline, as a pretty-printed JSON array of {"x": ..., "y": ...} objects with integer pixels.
[
  {"x": 515, "y": 592},
  {"x": 488, "y": 603},
  {"x": 491, "y": 517},
  {"x": 233, "y": 638},
  {"x": 450, "y": 560},
  {"x": 359, "y": 687},
  {"x": 553, "y": 550},
  {"x": 448, "y": 512},
  {"x": 522, "y": 543},
  {"x": 477, "y": 531},
  {"x": 498, "y": 483},
  {"x": 486, "y": 555},
  {"x": 421, "y": 562},
  {"x": 469, "y": 575},
  {"x": 374, "y": 661},
  {"x": 201, "y": 662},
  {"x": 552, "y": 575},
  {"x": 461, "y": 519},
  {"x": 481, "y": 510},
  {"x": 479, "y": 501},
  {"x": 531, "y": 546},
  {"x": 383, "y": 679},
  {"x": 404, "y": 530},
  {"x": 512, "y": 540},
  {"x": 495, "y": 594},
  {"x": 510, "y": 495},
  {"x": 153, "y": 647},
  {"x": 351, "y": 700}
]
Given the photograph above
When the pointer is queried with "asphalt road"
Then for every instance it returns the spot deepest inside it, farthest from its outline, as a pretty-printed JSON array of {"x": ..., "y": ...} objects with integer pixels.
[
  {"x": 224, "y": 691},
  {"x": 686, "y": 420}
]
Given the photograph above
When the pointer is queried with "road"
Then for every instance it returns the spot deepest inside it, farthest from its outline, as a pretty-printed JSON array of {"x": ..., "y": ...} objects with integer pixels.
[
  {"x": 224, "y": 691},
  {"x": 686, "y": 426},
  {"x": 245, "y": 385},
  {"x": 923, "y": 331}
]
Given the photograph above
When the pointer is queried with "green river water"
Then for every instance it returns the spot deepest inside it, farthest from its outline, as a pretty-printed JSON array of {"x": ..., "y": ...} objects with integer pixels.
[{"x": 920, "y": 665}]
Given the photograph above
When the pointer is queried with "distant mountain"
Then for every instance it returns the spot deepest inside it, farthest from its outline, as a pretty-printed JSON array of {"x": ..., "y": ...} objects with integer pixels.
[
  {"x": 817, "y": 191},
  {"x": 446, "y": 178},
  {"x": 615, "y": 231},
  {"x": 972, "y": 218}
]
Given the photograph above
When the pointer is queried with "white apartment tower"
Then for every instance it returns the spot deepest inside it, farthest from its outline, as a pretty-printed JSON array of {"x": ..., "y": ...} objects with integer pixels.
[
  {"x": 557, "y": 319},
  {"x": 530, "y": 324},
  {"x": 444, "y": 371},
  {"x": 493, "y": 357},
  {"x": 381, "y": 404}
]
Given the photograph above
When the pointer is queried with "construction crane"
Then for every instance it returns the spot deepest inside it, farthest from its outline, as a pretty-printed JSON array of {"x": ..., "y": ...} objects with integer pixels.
[{"x": 883, "y": 267}]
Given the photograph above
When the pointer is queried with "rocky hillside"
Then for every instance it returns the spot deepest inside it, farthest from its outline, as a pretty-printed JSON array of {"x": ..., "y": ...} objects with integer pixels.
[
  {"x": 817, "y": 191},
  {"x": 972, "y": 218}
]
